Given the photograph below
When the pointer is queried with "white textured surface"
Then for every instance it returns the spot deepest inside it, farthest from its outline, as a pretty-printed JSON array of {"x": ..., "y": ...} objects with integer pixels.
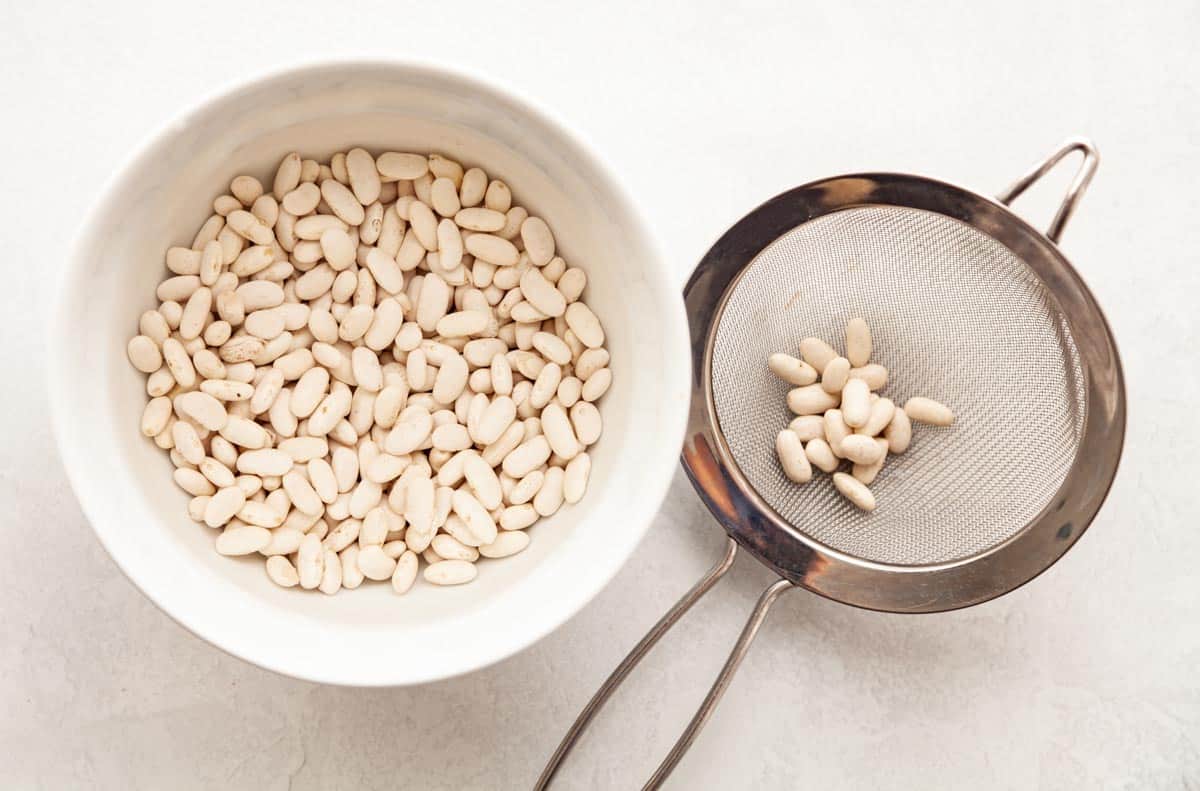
[{"x": 1087, "y": 677}]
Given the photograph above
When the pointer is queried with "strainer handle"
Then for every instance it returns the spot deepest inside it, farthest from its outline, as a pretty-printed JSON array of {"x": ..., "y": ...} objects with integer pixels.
[
  {"x": 1083, "y": 177},
  {"x": 643, "y": 647},
  {"x": 715, "y": 692}
]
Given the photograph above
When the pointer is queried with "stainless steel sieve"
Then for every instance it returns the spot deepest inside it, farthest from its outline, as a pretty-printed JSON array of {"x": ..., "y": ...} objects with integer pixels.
[{"x": 967, "y": 304}]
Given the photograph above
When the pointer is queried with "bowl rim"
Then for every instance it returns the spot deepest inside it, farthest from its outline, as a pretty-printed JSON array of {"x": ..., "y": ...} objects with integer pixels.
[{"x": 563, "y": 608}]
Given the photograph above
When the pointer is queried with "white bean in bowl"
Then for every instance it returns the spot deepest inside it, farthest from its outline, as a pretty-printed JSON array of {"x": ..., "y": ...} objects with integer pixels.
[{"x": 359, "y": 359}]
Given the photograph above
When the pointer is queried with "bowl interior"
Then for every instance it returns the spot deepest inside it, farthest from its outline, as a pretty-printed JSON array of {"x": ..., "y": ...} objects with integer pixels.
[{"x": 367, "y": 636}]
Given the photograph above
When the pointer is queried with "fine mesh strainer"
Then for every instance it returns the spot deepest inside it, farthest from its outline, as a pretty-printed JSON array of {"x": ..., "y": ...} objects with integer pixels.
[{"x": 968, "y": 305}]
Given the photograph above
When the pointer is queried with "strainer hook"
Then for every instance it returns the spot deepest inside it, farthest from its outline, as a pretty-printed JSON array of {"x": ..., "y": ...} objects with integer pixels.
[{"x": 1083, "y": 177}]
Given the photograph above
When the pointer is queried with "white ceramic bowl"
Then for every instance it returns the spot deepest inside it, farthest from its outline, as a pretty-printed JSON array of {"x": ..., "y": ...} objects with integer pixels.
[{"x": 368, "y": 636}]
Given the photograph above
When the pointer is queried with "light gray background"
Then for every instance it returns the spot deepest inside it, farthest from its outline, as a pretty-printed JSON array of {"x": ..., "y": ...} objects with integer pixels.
[{"x": 1086, "y": 678}]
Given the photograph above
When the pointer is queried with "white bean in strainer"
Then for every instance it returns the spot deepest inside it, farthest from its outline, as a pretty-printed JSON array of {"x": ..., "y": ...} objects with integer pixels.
[{"x": 967, "y": 304}]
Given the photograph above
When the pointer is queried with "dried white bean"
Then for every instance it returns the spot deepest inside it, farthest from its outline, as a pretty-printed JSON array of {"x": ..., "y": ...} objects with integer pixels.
[
  {"x": 479, "y": 523},
  {"x": 192, "y": 482},
  {"x": 331, "y": 573},
  {"x": 856, "y": 403},
  {"x": 524, "y": 489},
  {"x": 287, "y": 175},
  {"x": 284, "y": 540},
  {"x": 363, "y": 177},
  {"x": 575, "y": 478},
  {"x": 560, "y": 434},
  {"x": 926, "y": 410},
  {"x": 418, "y": 512},
  {"x": 266, "y": 391},
  {"x": 882, "y": 411},
  {"x": 303, "y": 495},
  {"x": 552, "y": 347},
  {"x": 817, "y": 353},
  {"x": 259, "y": 294},
  {"x": 494, "y": 249},
  {"x": 792, "y": 458},
  {"x": 412, "y": 427},
  {"x": 423, "y": 224},
  {"x": 497, "y": 197},
  {"x": 898, "y": 432},
  {"x": 246, "y": 189},
  {"x": 310, "y": 561},
  {"x": 585, "y": 325},
  {"x": 527, "y": 457},
  {"x": 178, "y": 362},
  {"x": 550, "y": 497},
  {"x": 545, "y": 385},
  {"x": 834, "y": 377},
  {"x": 858, "y": 342},
  {"x": 155, "y": 416},
  {"x": 591, "y": 361},
  {"x": 866, "y": 472},
  {"x": 474, "y": 186},
  {"x": 538, "y": 240},
  {"x": 342, "y": 202},
  {"x": 187, "y": 441},
  {"x": 352, "y": 577},
  {"x": 451, "y": 548},
  {"x": 518, "y": 517},
  {"x": 386, "y": 467},
  {"x": 874, "y": 374},
  {"x": 242, "y": 539},
  {"x": 374, "y": 563},
  {"x": 836, "y": 430},
  {"x": 267, "y": 461},
  {"x": 405, "y": 572},
  {"x": 244, "y": 433},
  {"x": 342, "y": 536},
  {"x": 480, "y": 220},
  {"x": 444, "y": 197},
  {"x": 395, "y": 166},
  {"x": 570, "y": 389},
  {"x": 282, "y": 572},
  {"x": 808, "y": 427},
  {"x": 821, "y": 455},
  {"x": 861, "y": 449},
  {"x": 223, "y": 506},
  {"x": 260, "y": 514},
  {"x": 450, "y": 572},
  {"x": 451, "y": 379},
  {"x": 510, "y": 542},
  {"x": 854, "y": 490}
]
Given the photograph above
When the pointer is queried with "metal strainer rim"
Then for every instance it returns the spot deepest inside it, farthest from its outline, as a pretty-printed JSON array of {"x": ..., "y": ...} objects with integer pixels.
[{"x": 750, "y": 520}]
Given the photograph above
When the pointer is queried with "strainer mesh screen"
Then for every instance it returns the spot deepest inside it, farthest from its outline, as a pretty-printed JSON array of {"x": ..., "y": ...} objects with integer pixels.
[{"x": 954, "y": 316}]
